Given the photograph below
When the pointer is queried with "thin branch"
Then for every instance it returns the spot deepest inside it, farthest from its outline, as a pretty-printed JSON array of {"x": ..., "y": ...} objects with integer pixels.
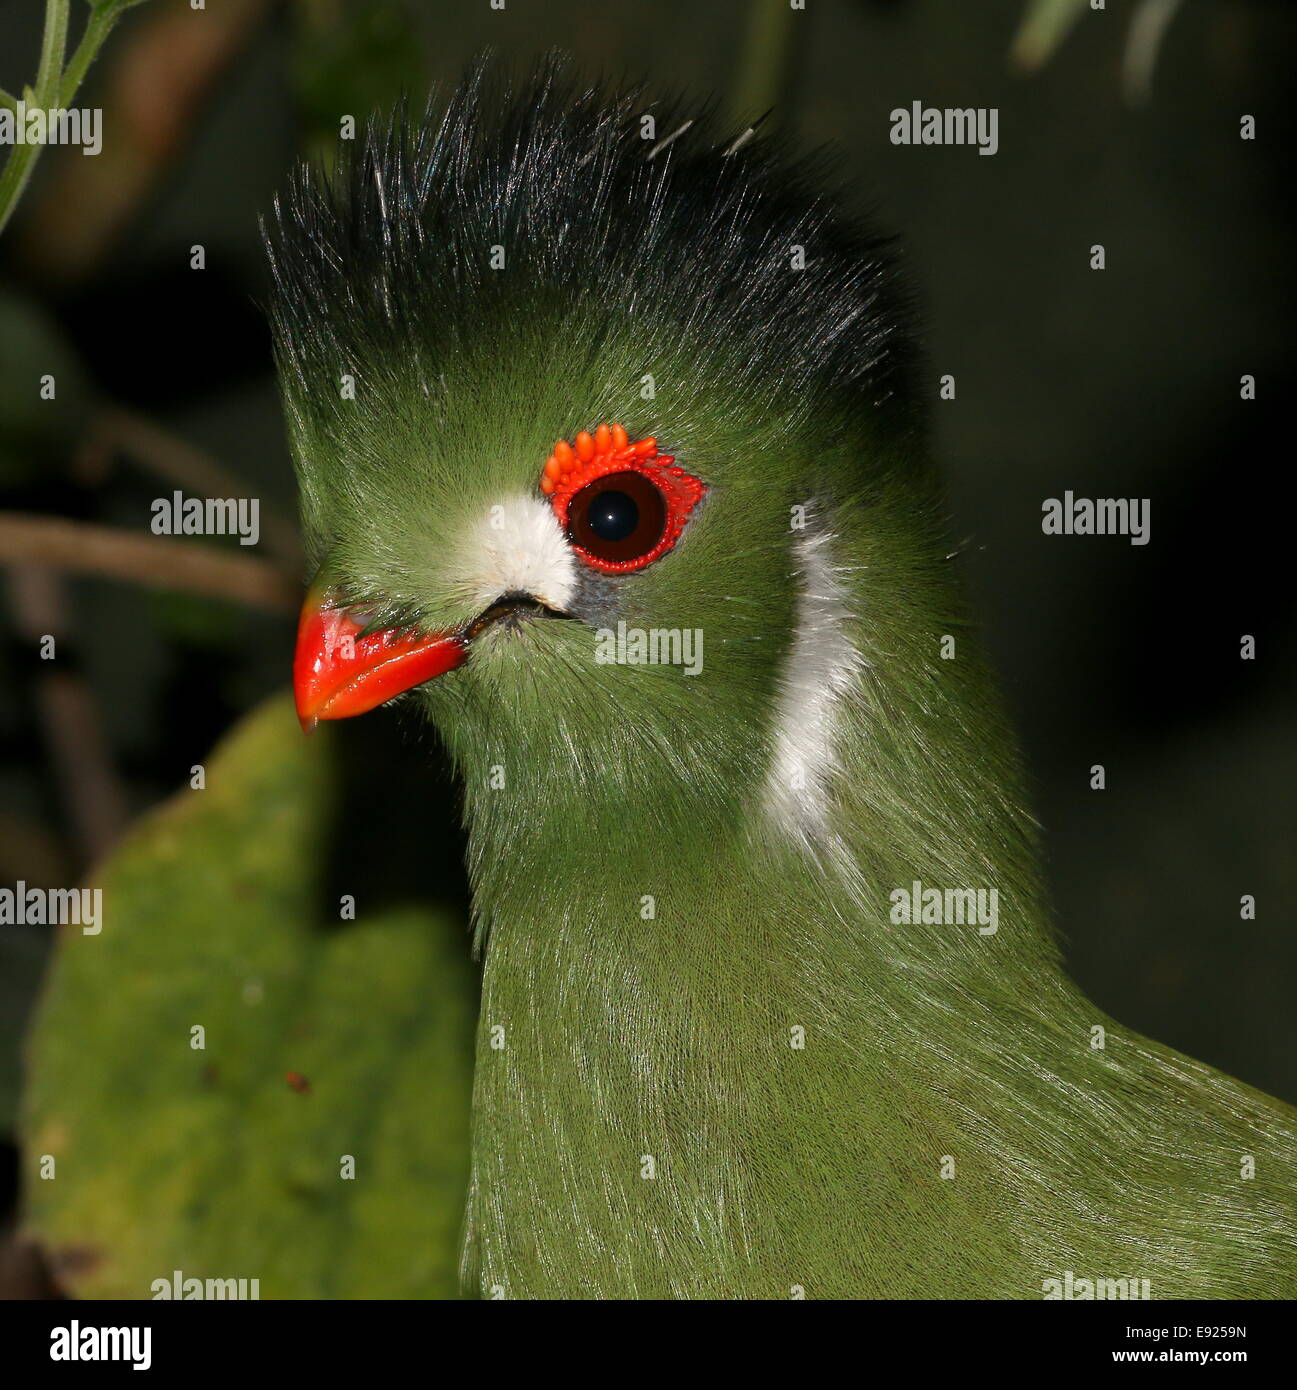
[
  {"x": 78, "y": 749},
  {"x": 178, "y": 462},
  {"x": 159, "y": 563}
]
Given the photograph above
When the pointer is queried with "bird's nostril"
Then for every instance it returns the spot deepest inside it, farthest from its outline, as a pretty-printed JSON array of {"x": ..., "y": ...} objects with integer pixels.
[{"x": 512, "y": 608}]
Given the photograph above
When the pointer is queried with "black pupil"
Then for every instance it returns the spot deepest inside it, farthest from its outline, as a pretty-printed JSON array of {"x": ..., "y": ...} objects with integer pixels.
[
  {"x": 618, "y": 519},
  {"x": 613, "y": 516}
]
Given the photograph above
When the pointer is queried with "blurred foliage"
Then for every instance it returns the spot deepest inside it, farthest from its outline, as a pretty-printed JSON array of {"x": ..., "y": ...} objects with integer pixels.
[
  {"x": 323, "y": 1038},
  {"x": 351, "y": 60},
  {"x": 1044, "y": 26},
  {"x": 1046, "y": 23},
  {"x": 36, "y": 434}
]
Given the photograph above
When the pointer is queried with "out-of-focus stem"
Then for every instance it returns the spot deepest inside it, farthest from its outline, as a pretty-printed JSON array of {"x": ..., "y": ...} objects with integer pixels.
[
  {"x": 159, "y": 563},
  {"x": 18, "y": 168}
]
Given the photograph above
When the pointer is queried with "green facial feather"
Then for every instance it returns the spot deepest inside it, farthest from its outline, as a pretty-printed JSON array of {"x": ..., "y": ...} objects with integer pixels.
[{"x": 711, "y": 1063}]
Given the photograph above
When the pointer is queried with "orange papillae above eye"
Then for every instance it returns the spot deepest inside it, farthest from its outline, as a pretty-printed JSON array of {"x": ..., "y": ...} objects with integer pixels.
[{"x": 571, "y": 480}]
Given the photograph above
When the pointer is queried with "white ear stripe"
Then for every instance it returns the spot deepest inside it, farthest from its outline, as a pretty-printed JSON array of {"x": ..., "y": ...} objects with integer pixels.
[{"x": 821, "y": 665}]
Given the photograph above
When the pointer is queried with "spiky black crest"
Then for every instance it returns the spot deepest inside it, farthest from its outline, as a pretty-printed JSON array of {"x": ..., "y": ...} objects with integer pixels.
[{"x": 693, "y": 228}]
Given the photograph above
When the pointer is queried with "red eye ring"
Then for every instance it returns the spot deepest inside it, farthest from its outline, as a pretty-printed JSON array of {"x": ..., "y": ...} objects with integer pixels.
[{"x": 572, "y": 468}]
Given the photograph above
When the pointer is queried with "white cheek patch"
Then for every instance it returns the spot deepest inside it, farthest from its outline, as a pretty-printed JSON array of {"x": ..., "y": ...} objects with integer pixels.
[{"x": 518, "y": 546}]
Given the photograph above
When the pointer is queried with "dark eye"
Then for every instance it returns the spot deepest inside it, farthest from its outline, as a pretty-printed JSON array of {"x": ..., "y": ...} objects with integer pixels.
[
  {"x": 622, "y": 505},
  {"x": 619, "y": 518}
]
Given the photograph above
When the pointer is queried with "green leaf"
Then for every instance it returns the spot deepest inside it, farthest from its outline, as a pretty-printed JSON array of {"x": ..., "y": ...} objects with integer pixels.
[{"x": 209, "y": 1161}]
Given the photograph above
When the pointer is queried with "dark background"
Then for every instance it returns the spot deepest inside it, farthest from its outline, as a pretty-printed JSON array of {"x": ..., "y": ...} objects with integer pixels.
[{"x": 1120, "y": 383}]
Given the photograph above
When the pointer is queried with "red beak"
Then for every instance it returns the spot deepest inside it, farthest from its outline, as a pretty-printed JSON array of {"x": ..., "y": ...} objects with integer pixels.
[{"x": 338, "y": 673}]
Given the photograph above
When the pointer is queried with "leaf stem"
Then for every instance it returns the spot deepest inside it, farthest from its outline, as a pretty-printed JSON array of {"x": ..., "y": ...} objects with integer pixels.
[
  {"x": 54, "y": 88},
  {"x": 97, "y": 28}
]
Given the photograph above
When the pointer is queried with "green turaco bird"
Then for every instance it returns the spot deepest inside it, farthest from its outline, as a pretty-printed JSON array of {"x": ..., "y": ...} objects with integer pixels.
[{"x": 610, "y": 457}]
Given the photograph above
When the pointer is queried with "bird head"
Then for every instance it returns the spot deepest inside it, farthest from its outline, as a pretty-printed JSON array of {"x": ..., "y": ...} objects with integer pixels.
[{"x": 580, "y": 390}]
